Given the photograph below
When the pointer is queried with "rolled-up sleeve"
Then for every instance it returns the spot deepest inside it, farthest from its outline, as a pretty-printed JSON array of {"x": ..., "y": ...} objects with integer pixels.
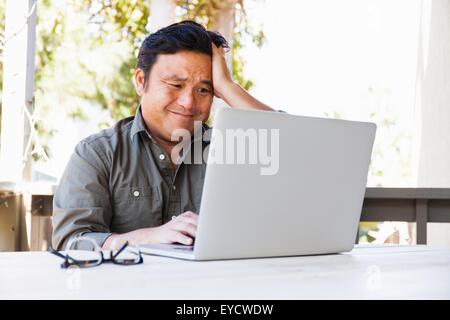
[{"x": 81, "y": 204}]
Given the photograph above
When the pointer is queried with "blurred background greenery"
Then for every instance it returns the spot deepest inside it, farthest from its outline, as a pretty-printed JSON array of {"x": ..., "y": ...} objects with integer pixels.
[{"x": 86, "y": 54}]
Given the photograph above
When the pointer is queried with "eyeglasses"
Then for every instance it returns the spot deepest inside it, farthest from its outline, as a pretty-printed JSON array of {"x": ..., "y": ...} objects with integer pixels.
[{"x": 84, "y": 252}]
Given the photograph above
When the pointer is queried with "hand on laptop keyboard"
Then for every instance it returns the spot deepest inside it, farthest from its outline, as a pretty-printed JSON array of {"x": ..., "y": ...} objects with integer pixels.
[{"x": 181, "y": 229}]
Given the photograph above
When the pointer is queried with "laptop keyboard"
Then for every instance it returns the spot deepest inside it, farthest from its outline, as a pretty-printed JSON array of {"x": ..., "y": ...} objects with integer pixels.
[{"x": 185, "y": 248}]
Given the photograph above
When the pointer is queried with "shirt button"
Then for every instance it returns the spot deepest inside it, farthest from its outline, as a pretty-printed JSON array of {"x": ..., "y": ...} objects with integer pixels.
[
  {"x": 136, "y": 193},
  {"x": 162, "y": 156},
  {"x": 174, "y": 188}
]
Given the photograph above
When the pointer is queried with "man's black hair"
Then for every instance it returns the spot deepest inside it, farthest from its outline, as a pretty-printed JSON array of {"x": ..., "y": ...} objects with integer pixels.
[{"x": 185, "y": 35}]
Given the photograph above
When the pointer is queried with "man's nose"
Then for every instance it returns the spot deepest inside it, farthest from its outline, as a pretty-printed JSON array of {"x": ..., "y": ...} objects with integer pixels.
[{"x": 186, "y": 99}]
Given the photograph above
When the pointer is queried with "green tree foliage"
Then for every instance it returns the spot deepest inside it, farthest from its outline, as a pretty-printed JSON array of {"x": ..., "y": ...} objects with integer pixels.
[
  {"x": 204, "y": 11},
  {"x": 86, "y": 54},
  {"x": 123, "y": 22}
]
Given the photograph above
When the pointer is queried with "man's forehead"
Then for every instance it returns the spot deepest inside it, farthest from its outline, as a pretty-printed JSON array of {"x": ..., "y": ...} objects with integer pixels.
[
  {"x": 177, "y": 78},
  {"x": 183, "y": 66},
  {"x": 173, "y": 76},
  {"x": 182, "y": 75}
]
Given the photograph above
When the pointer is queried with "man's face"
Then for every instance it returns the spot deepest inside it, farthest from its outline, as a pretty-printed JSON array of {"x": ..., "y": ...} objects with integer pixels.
[{"x": 179, "y": 91}]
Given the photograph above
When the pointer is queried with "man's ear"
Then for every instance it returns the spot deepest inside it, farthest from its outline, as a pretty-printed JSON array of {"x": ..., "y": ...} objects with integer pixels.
[{"x": 139, "y": 81}]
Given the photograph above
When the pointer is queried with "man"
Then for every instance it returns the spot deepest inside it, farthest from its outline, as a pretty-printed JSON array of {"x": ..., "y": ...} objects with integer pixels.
[{"x": 122, "y": 184}]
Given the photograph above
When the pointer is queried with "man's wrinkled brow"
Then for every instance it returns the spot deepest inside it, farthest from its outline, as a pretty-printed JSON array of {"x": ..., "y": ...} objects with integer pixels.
[
  {"x": 173, "y": 77},
  {"x": 181, "y": 79}
]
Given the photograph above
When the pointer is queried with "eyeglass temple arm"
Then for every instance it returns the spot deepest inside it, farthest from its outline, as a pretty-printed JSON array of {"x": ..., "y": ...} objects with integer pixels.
[
  {"x": 120, "y": 250},
  {"x": 56, "y": 253}
]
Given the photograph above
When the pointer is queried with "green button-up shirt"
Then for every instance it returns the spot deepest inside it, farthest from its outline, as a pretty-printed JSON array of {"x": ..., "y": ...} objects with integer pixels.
[{"x": 120, "y": 180}]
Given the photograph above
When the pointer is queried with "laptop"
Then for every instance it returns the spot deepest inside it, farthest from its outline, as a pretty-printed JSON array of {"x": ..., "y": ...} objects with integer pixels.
[{"x": 297, "y": 190}]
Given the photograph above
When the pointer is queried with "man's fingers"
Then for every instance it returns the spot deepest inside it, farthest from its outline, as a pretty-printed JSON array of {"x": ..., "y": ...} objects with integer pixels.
[
  {"x": 186, "y": 228},
  {"x": 189, "y": 214},
  {"x": 190, "y": 220},
  {"x": 218, "y": 50},
  {"x": 179, "y": 237}
]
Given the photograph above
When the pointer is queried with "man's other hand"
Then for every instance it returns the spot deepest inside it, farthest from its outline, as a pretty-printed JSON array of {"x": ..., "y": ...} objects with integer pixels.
[{"x": 181, "y": 229}]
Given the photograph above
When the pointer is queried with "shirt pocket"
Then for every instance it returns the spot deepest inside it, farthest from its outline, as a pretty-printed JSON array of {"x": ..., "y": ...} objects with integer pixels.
[{"x": 136, "y": 207}]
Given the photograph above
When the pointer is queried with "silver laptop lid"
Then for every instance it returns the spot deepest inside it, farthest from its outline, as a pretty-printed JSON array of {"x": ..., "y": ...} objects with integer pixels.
[{"x": 302, "y": 194}]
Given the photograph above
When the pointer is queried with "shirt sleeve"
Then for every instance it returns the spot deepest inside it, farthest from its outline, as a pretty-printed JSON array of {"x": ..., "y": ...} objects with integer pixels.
[{"x": 81, "y": 204}]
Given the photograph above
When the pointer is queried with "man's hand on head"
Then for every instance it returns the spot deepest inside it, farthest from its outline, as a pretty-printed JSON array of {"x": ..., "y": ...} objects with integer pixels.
[
  {"x": 220, "y": 72},
  {"x": 226, "y": 89}
]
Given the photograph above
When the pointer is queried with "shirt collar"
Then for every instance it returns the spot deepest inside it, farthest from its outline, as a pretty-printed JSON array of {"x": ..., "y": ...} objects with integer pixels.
[{"x": 138, "y": 125}]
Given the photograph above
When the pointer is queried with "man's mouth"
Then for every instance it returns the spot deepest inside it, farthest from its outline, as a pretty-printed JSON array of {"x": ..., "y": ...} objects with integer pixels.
[{"x": 186, "y": 115}]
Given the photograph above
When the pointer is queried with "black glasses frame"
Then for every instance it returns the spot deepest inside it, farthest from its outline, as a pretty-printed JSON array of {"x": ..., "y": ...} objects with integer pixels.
[{"x": 70, "y": 261}]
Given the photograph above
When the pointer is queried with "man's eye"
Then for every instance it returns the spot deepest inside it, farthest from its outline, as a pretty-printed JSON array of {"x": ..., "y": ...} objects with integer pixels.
[
  {"x": 204, "y": 90},
  {"x": 178, "y": 86}
]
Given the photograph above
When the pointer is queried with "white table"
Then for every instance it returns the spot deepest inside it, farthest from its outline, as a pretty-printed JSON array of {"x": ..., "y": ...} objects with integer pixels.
[{"x": 383, "y": 272}]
